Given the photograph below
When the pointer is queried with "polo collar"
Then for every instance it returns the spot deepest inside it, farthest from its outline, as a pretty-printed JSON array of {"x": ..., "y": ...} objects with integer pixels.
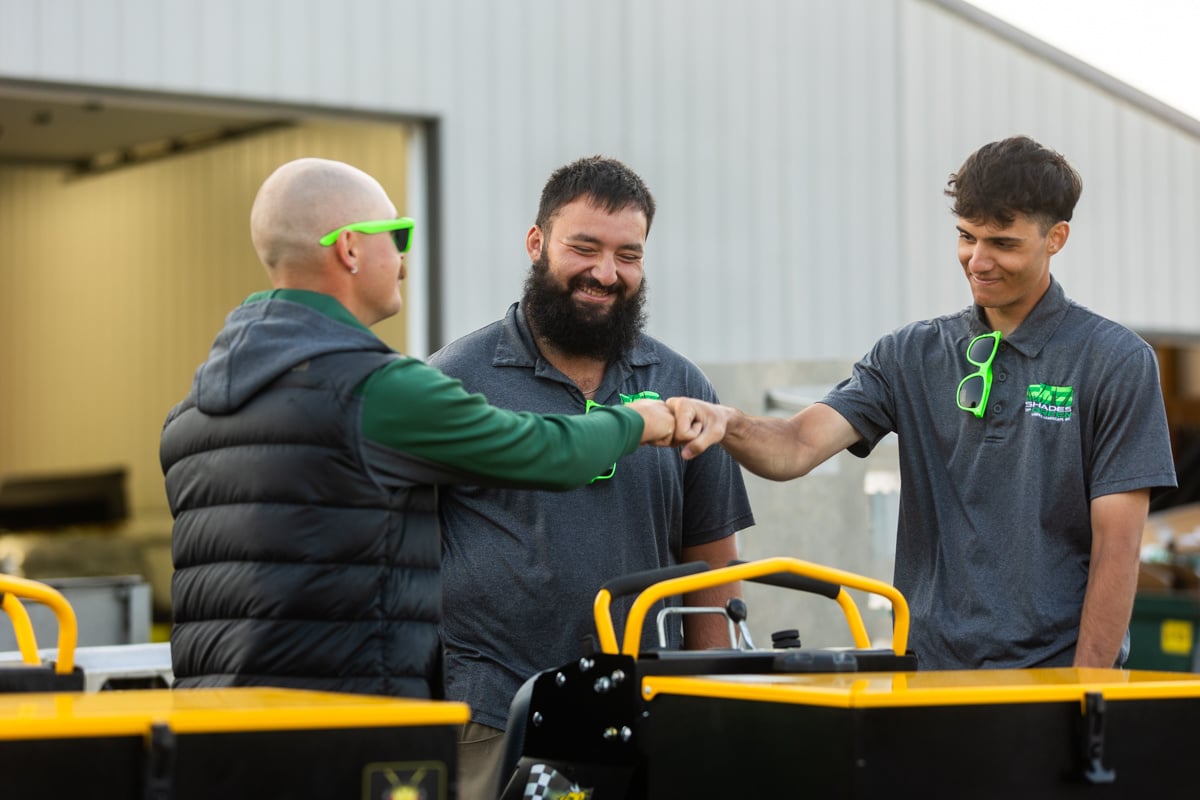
[{"x": 1038, "y": 327}]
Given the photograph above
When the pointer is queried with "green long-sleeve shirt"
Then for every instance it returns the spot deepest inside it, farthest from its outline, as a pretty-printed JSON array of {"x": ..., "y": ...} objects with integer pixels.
[{"x": 414, "y": 408}]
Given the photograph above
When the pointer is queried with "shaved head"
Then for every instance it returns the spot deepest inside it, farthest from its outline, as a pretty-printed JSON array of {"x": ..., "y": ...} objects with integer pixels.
[{"x": 303, "y": 200}]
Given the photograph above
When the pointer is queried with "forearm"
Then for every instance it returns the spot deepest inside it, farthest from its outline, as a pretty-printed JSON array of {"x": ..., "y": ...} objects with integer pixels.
[
  {"x": 766, "y": 446},
  {"x": 703, "y": 631},
  {"x": 770, "y": 447},
  {"x": 782, "y": 449},
  {"x": 416, "y": 411},
  {"x": 1117, "y": 523},
  {"x": 1107, "y": 607}
]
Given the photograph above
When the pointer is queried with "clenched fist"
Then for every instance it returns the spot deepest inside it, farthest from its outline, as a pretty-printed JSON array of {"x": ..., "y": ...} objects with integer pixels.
[{"x": 659, "y": 422}]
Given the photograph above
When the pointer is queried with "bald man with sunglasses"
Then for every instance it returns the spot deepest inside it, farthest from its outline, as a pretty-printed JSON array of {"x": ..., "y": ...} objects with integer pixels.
[{"x": 303, "y": 467}]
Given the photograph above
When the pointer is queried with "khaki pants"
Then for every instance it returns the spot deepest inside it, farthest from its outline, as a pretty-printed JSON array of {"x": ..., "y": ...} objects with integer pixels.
[{"x": 480, "y": 753}]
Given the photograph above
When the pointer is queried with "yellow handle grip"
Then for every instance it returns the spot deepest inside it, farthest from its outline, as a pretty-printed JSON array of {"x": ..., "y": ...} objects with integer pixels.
[
  {"x": 13, "y": 588},
  {"x": 754, "y": 569},
  {"x": 26, "y": 640}
]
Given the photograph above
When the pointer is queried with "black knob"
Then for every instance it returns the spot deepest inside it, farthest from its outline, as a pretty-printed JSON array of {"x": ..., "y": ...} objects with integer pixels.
[{"x": 735, "y": 607}]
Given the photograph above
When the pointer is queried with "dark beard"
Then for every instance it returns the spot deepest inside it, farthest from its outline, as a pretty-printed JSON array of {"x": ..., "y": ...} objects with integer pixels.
[{"x": 555, "y": 316}]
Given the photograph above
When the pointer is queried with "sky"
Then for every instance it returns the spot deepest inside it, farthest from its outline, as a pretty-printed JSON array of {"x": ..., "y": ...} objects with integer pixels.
[{"x": 1152, "y": 45}]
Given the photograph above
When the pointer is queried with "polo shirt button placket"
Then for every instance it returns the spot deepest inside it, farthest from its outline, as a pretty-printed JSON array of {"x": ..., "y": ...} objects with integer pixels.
[{"x": 1001, "y": 377}]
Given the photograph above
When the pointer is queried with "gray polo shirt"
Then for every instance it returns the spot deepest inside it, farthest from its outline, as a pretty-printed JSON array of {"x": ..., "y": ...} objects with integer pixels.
[
  {"x": 521, "y": 568},
  {"x": 994, "y": 538}
]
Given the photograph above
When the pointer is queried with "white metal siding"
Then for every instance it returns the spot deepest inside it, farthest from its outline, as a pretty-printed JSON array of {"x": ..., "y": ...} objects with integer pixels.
[
  {"x": 798, "y": 150},
  {"x": 1128, "y": 255}
]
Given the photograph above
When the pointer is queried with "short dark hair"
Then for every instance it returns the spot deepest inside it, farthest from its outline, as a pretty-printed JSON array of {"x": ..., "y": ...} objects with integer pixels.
[
  {"x": 609, "y": 183},
  {"x": 1015, "y": 176}
]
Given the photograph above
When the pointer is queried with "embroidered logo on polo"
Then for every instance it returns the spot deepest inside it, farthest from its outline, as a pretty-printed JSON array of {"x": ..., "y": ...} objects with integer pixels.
[{"x": 1050, "y": 402}]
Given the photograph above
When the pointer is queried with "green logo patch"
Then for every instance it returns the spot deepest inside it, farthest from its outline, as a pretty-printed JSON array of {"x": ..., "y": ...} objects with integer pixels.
[{"x": 1050, "y": 402}]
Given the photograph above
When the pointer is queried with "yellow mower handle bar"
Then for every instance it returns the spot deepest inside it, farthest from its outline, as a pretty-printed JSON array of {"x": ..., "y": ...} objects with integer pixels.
[
  {"x": 704, "y": 579},
  {"x": 23, "y": 629},
  {"x": 833, "y": 591},
  {"x": 14, "y": 588},
  {"x": 628, "y": 584}
]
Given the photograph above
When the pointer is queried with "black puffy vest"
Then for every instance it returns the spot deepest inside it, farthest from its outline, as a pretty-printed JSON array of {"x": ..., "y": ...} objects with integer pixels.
[{"x": 294, "y": 566}]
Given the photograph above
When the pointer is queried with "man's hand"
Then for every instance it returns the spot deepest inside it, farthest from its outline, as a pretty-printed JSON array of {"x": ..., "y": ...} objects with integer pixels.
[
  {"x": 659, "y": 422},
  {"x": 698, "y": 424}
]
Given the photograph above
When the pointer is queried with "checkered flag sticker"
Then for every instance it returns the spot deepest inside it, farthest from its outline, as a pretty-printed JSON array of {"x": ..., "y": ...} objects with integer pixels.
[{"x": 545, "y": 783}]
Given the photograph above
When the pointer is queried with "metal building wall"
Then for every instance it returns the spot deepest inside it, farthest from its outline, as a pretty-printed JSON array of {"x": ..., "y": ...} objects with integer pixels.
[
  {"x": 1129, "y": 255},
  {"x": 798, "y": 148}
]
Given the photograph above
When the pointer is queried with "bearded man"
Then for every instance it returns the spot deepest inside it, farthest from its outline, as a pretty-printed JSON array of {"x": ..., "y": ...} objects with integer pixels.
[{"x": 522, "y": 568}]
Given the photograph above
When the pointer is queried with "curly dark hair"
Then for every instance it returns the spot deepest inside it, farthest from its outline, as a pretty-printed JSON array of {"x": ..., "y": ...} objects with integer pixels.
[
  {"x": 609, "y": 183},
  {"x": 1015, "y": 176}
]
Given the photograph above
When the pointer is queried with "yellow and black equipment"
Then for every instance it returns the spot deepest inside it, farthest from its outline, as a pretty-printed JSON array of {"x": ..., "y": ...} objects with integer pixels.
[
  {"x": 30, "y": 674},
  {"x": 58, "y": 741},
  {"x": 854, "y": 723}
]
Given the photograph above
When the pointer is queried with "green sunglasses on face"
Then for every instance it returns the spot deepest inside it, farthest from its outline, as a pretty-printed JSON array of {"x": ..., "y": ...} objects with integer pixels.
[
  {"x": 974, "y": 389},
  {"x": 400, "y": 228}
]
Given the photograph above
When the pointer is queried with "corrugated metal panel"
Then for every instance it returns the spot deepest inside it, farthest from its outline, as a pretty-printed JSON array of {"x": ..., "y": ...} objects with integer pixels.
[
  {"x": 732, "y": 115},
  {"x": 798, "y": 149},
  {"x": 965, "y": 85}
]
